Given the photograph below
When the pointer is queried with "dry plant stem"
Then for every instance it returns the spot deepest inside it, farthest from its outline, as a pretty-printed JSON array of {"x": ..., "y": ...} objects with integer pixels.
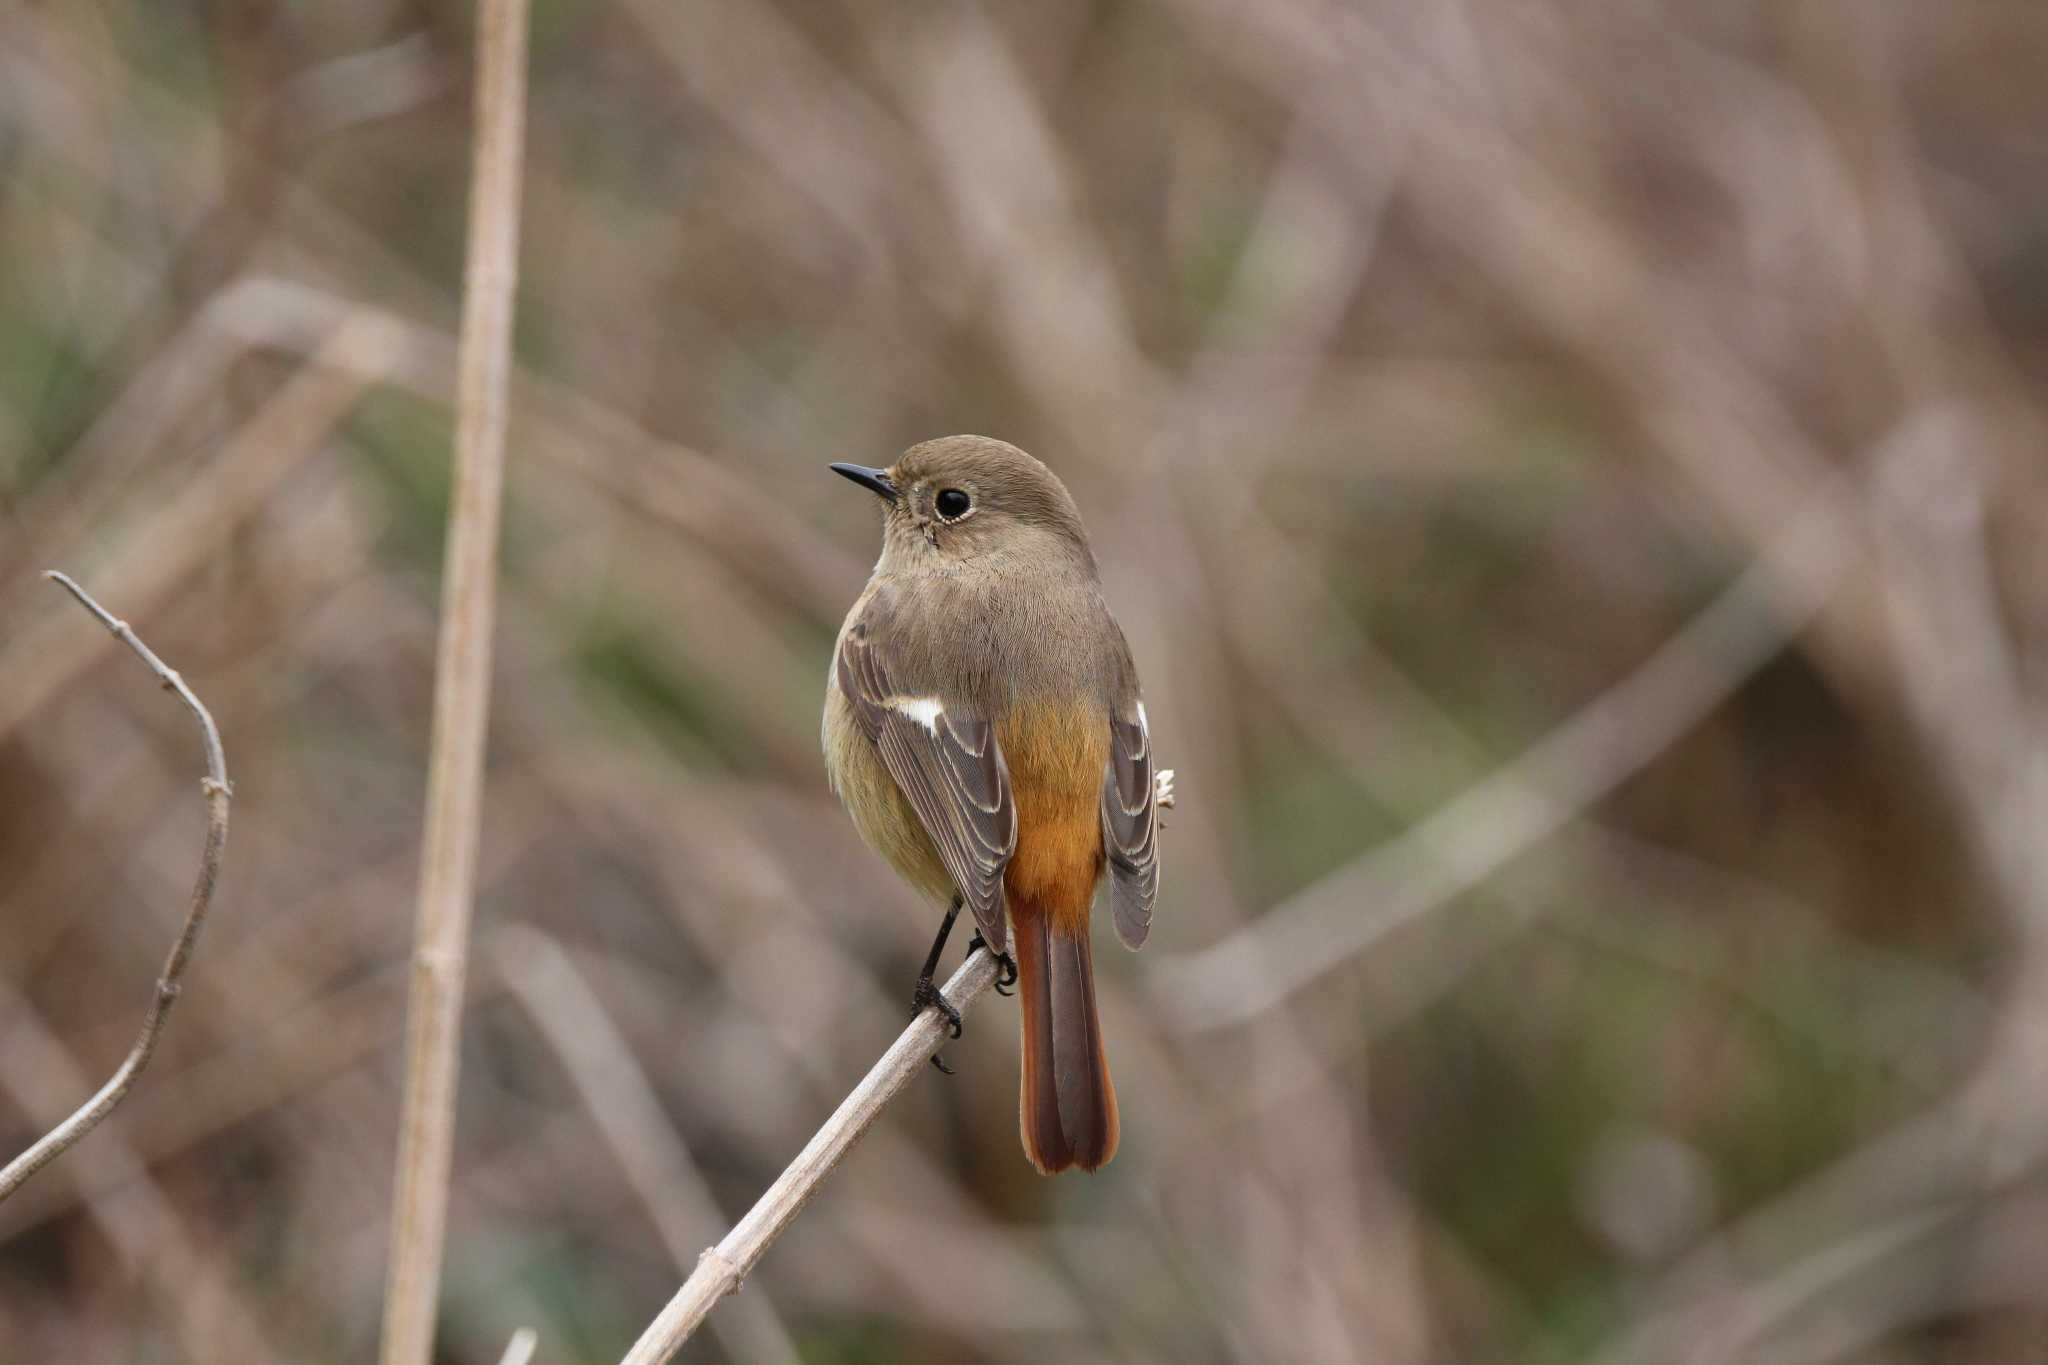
[
  {"x": 571, "y": 1015},
  {"x": 215, "y": 784},
  {"x": 188, "y": 1279},
  {"x": 461, "y": 692},
  {"x": 519, "y": 1350},
  {"x": 722, "y": 1269}
]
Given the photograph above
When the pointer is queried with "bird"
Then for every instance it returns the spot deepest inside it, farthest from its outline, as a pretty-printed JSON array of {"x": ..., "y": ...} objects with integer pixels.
[{"x": 984, "y": 729}]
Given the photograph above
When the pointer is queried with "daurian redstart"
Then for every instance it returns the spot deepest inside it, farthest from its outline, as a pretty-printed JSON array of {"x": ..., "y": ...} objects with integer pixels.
[{"x": 983, "y": 728}]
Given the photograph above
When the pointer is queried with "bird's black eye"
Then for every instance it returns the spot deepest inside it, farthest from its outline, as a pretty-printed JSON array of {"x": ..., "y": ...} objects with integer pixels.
[{"x": 951, "y": 504}]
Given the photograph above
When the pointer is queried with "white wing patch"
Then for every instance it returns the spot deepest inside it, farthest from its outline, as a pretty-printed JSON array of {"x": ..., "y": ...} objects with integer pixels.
[
  {"x": 924, "y": 710},
  {"x": 1162, "y": 781}
]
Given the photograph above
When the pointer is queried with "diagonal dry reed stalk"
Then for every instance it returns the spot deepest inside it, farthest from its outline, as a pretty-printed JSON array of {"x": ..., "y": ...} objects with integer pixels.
[
  {"x": 567, "y": 1010},
  {"x": 722, "y": 1269},
  {"x": 519, "y": 1350}
]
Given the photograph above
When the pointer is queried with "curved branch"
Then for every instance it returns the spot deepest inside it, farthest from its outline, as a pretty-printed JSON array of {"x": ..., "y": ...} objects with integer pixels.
[{"x": 215, "y": 784}]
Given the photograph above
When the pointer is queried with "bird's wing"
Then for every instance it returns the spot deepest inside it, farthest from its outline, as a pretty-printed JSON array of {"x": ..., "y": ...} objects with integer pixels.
[
  {"x": 1130, "y": 826},
  {"x": 944, "y": 758}
]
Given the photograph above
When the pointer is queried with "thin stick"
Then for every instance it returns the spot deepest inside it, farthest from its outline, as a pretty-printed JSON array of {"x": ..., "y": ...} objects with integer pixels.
[
  {"x": 722, "y": 1269},
  {"x": 519, "y": 1350},
  {"x": 215, "y": 784},
  {"x": 461, "y": 692},
  {"x": 189, "y": 1279},
  {"x": 572, "y": 1017}
]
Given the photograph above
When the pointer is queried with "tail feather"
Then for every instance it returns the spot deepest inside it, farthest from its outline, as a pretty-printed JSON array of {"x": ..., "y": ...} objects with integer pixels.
[{"x": 1067, "y": 1105}]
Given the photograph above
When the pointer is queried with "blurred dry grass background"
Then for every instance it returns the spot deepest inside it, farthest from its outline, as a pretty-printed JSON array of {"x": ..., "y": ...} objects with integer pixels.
[{"x": 1571, "y": 475}]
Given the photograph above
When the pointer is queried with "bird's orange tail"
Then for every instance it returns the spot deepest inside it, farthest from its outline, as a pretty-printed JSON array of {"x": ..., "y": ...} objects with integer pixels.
[{"x": 1067, "y": 1108}]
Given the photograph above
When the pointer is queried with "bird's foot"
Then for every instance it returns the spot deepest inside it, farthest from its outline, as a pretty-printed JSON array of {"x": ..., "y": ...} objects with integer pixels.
[
  {"x": 1003, "y": 960},
  {"x": 925, "y": 995}
]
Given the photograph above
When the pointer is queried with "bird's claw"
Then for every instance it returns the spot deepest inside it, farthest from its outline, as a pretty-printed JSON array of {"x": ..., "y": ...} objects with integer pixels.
[
  {"x": 926, "y": 994},
  {"x": 1003, "y": 960}
]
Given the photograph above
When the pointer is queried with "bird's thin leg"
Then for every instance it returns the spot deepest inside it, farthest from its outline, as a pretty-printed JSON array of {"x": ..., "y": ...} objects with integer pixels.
[
  {"x": 931, "y": 959},
  {"x": 925, "y": 993}
]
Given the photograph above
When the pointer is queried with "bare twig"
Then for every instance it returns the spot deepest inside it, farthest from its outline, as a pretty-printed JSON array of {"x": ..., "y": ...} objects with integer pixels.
[
  {"x": 622, "y": 1103},
  {"x": 215, "y": 784},
  {"x": 189, "y": 1281},
  {"x": 461, "y": 692},
  {"x": 281, "y": 1060},
  {"x": 722, "y": 1269},
  {"x": 519, "y": 1350}
]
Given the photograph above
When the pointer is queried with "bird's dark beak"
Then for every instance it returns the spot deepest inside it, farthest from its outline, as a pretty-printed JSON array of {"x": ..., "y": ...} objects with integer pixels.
[{"x": 874, "y": 480}]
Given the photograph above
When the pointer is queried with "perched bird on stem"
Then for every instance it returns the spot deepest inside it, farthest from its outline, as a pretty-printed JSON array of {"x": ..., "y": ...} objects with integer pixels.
[{"x": 983, "y": 728}]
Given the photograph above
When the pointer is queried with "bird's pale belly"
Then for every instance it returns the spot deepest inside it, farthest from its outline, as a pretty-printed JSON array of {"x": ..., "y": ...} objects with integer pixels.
[{"x": 881, "y": 813}]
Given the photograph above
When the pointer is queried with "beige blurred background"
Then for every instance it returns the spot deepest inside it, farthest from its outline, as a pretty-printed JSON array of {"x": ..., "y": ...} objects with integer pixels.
[{"x": 1572, "y": 477}]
